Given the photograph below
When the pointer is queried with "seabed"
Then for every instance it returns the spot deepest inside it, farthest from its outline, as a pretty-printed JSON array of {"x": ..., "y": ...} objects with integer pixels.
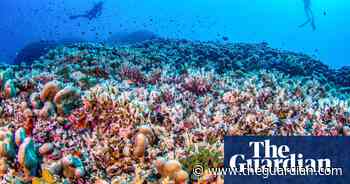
[{"x": 149, "y": 112}]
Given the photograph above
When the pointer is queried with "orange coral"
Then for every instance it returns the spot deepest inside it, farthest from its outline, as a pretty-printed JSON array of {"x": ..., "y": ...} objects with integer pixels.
[{"x": 49, "y": 91}]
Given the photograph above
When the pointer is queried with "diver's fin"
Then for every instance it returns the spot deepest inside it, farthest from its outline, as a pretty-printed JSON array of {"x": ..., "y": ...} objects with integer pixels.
[
  {"x": 75, "y": 16},
  {"x": 313, "y": 25},
  {"x": 304, "y": 24}
]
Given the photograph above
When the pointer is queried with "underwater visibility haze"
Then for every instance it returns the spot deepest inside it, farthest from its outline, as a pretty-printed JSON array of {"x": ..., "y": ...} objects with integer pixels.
[
  {"x": 273, "y": 21},
  {"x": 141, "y": 91}
]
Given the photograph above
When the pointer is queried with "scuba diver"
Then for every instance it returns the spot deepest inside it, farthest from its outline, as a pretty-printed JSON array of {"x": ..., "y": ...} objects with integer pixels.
[
  {"x": 309, "y": 14},
  {"x": 95, "y": 12}
]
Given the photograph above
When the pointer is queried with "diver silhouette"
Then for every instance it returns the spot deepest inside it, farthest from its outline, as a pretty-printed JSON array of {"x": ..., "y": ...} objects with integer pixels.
[
  {"x": 309, "y": 15},
  {"x": 95, "y": 12}
]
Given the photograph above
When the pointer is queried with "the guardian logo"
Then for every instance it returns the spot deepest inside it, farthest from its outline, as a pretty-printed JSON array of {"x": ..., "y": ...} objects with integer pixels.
[
  {"x": 293, "y": 159},
  {"x": 267, "y": 155}
]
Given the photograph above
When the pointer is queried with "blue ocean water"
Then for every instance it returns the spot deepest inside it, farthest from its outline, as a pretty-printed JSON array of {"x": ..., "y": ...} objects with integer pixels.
[{"x": 273, "y": 21}]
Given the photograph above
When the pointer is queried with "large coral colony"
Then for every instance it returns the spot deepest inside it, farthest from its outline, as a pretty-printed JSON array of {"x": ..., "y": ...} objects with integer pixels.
[{"x": 148, "y": 112}]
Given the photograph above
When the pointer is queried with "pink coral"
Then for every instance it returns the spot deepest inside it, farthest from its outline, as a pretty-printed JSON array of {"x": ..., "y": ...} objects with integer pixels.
[
  {"x": 132, "y": 74},
  {"x": 197, "y": 85}
]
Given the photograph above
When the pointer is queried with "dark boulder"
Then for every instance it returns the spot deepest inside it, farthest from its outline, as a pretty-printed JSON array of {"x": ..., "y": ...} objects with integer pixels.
[{"x": 35, "y": 50}]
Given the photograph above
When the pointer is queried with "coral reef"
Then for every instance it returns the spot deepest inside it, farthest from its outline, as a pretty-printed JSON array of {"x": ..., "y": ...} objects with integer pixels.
[
  {"x": 149, "y": 112},
  {"x": 28, "y": 157},
  {"x": 66, "y": 100},
  {"x": 7, "y": 84},
  {"x": 171, "y": 170},
  {"x": 342, "y": 77}
]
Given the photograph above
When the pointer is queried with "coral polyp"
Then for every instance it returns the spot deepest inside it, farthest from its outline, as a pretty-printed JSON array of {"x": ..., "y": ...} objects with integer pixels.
[{"x": 149, "y": 112}]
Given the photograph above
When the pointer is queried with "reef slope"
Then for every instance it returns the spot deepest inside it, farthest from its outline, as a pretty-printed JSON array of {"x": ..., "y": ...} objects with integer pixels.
[{"x": 89, "y": 113}]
